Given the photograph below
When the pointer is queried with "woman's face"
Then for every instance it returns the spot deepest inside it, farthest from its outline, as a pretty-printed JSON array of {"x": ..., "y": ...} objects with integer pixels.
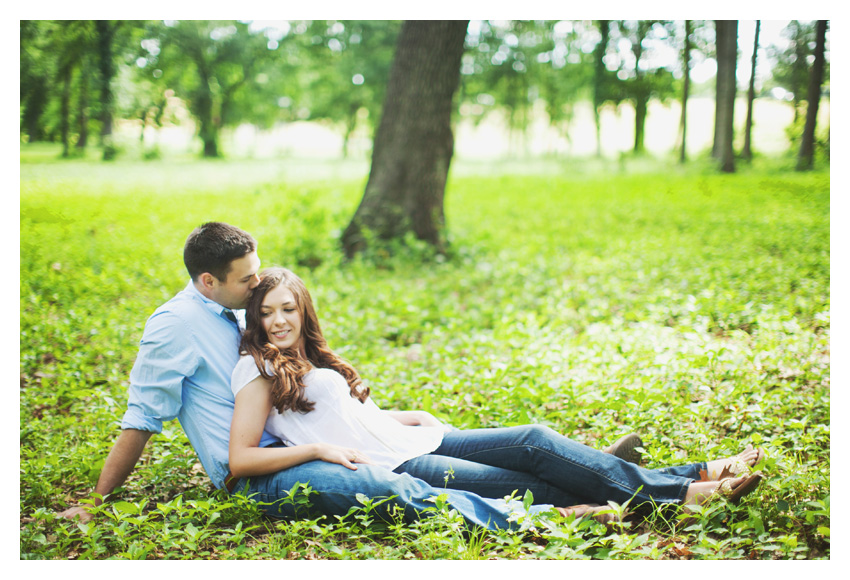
[{"x": 281, "y": 319}]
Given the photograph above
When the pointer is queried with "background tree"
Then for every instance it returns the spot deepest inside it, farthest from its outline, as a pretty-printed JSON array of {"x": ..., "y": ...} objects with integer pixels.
[
  {"x": 71, "y": 40},
  {"x": 565, "y": 72},
  {"x": 805, "y": 159},
  {"x": 642, "y": 81},
  {"x": 349, "y": 65},
  {"x": 414, "y": 143},
  {"x": 747, "y": 152},
  {"x": 213, "y": 65},
  {"x": 790, "y": 67},
  {"x": 38, "y": 70},
  {"x": 604, "y": 81},
  {"x": 686, "y": 87},
  {"x": 105, "y": 39},
  {"x": 724, "y": 118}
]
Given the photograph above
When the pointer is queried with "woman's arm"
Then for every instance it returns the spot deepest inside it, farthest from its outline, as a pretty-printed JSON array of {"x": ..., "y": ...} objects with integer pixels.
[{"x": 253, "y": 404}]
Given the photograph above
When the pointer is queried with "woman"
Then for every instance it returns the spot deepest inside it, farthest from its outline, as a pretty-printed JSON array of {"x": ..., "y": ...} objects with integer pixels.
[{"x": 290, "y": 382}]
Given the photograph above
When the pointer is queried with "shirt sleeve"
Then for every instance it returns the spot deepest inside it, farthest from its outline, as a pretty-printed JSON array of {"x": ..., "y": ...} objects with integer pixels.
[
  {"x": 167, "y": 355},
  {"x": 246, "y": 371}
]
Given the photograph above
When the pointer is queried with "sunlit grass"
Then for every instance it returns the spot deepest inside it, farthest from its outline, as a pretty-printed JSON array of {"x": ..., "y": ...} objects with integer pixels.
[{"x": 689, "y": 306}]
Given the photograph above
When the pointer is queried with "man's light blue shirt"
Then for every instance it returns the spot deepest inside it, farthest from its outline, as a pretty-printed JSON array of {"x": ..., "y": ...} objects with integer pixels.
[{"x": 186, "y": 356}]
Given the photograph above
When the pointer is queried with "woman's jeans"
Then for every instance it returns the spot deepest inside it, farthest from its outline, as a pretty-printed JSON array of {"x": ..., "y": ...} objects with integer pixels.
[
  {"x": 474, "y": 469},
  {"x": 339, "y": 488},
  {"x": 557, "y": 470}
]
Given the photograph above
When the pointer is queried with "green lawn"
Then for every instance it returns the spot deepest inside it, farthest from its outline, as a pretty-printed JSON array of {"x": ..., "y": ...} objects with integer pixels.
[{"x": 689, "y": 306}]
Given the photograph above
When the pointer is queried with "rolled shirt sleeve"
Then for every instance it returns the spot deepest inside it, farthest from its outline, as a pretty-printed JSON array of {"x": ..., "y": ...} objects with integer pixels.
[{"x": 167, "y": 355}]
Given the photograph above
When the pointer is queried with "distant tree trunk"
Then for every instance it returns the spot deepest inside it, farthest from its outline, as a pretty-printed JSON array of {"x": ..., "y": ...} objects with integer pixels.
[
  {"x": 83, "y": 106},
  {"x": 599, "y": 80},
  {"x": 686, "y": 85},
  {"x": 641, "y": 91},
  {"x": 35, "y": 103},
  {"x": 65, "y": 74},
  {"x": 350, "y": 125},
  {"x": 724, "y": 120},
  {"x": 747, "y": 152},
  {"x": 805, "y": 160},
  {"x": 414, "y": 144},
  {"x": 203, "y": 107},
  {"x": 105, "y": 35}
]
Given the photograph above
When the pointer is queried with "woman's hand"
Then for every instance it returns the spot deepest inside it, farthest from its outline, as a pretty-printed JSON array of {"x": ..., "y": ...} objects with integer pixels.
[{"x": 346, "y": 456}]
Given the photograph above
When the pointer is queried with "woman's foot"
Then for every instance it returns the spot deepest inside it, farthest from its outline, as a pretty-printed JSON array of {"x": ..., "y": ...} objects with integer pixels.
[
  {"x": 732, "y": 488},
  {"x": 734, "y": 466}
]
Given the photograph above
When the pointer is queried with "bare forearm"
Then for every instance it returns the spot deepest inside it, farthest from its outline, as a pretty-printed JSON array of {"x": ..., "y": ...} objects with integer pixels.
[
  {"x": 121, "y": 460},
  {"x": 250, "y": 461}
]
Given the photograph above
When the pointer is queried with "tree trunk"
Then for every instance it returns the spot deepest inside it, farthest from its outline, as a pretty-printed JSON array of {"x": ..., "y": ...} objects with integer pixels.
[
  {"x": 83, "y": 106},
  {"x": 204, "y": 111},
  {"x": 414, "y": 144},
  {"x": 65, "y": 74},
  {"x": 641, "y": 90},
  {"x": 747, "y": 152},
  {"x": 686, "y": 86},
  {"x": 105, "y": 34},
  {"x": 805, "y": 160},
  {"x": 724, "y": 120},
  {"x": 598, "y": 80}
]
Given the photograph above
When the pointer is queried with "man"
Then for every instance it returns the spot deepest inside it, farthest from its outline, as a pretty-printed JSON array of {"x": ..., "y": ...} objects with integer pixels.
[{"x": 186, "y": 356}]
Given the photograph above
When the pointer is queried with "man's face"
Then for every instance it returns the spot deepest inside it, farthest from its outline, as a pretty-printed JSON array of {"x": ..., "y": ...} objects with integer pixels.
[{"x": 241, "y": 280}]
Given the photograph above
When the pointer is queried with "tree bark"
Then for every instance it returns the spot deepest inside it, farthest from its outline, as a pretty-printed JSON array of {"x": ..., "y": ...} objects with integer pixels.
[
  {"x": 105, "y": 35},
  {"x": 65, "y": 74},
  {"x": 805, "y": 160},
  {"x": 686, "y": 86},
  {"x": 747, "y": 152},
  {"x": 414, "y": 144},
  {"x": 641, "y": 93},
  {"x": 724, "y": 120},
  {"x": 598, "y": 80},
  {"x": 83, "y": 106}
]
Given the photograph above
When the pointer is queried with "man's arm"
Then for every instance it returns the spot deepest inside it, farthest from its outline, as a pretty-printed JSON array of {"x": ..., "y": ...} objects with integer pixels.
[{"x": 118, "y": 466}]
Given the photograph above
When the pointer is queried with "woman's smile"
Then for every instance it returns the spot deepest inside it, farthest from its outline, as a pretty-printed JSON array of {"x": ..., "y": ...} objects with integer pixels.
[{"x": 281, "y": 318}]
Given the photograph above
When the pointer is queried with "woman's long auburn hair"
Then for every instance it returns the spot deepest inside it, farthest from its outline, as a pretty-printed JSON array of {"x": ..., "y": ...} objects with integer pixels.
[{"x": 288, "y": 368}]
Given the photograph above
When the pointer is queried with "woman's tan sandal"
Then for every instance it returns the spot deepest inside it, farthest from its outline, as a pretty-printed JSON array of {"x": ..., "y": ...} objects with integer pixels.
[{"x": 734, "y": 494}]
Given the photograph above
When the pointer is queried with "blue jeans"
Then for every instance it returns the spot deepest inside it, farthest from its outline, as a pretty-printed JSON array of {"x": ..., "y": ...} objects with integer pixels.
[
  {"x": 474, "y": 468},
  {"x": 338, "y": 487},
  {"x": 557, "y": 470}
]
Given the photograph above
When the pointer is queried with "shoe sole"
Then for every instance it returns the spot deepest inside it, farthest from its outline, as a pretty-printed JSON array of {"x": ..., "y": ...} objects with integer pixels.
[{"x": 624, "y": 448}]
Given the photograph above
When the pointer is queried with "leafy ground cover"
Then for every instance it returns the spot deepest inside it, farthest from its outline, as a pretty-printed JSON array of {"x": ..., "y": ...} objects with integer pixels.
[{"x": 691, "y": 307}]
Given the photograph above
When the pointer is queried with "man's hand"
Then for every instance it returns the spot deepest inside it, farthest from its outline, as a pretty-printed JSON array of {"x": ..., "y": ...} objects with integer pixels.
[
  {"x": 118, "y": 465},
  {"x": 80, "y": 511}
]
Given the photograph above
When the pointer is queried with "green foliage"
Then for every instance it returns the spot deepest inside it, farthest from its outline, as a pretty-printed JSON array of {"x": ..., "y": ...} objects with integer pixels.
[{"x": 693, "y": 308}]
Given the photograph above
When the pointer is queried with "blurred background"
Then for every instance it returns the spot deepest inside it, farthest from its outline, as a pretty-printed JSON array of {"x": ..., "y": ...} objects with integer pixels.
[{"x": 315, "y": 89}]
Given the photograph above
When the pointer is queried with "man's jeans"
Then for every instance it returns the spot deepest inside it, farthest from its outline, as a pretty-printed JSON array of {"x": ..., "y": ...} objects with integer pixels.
[
  {"x": 474, "y": 468},
  {"x": 557, "y": 470}
]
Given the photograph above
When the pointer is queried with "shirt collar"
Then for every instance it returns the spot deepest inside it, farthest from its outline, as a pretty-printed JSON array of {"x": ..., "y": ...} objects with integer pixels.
[{"x": 214, "y": 306}]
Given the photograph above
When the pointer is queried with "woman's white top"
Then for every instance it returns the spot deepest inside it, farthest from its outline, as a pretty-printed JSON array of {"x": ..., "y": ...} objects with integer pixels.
[{"x": 340, "y": 419}]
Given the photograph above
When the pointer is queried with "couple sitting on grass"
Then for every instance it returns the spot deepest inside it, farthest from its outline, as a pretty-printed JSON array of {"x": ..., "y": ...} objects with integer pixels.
[{"x": 267, "y": 405}]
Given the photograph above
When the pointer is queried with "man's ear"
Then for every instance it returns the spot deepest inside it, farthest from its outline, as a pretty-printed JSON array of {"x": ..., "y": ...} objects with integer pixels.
[{"x": 207, "y": 280}]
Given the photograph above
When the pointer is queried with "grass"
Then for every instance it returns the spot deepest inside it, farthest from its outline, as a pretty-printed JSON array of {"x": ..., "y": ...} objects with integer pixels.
[{"x": 691, "y": 307}]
